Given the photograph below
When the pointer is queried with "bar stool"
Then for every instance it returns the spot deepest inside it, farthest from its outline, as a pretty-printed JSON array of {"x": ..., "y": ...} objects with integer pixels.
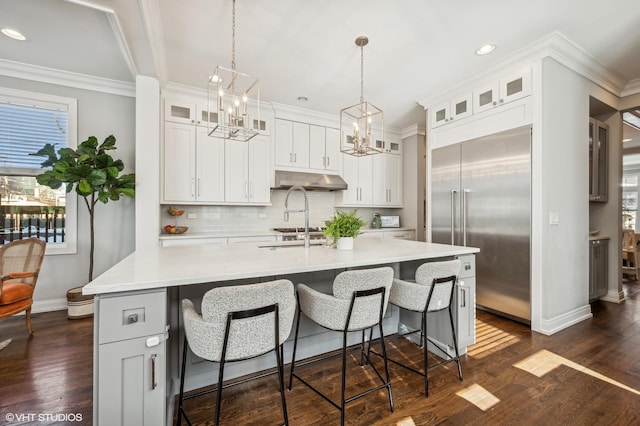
[
  {"x": 358, "y": 303},
  {"x": 431, "y": 292},
  {"x": 238, "y": 323}
]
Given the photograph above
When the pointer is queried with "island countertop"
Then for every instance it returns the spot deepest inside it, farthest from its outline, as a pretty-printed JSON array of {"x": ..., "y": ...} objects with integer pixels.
[{"x": 161, "y": 267}]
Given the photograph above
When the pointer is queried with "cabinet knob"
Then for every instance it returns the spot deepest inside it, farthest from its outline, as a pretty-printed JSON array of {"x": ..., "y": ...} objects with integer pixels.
[{"x": 133, "y": 318}]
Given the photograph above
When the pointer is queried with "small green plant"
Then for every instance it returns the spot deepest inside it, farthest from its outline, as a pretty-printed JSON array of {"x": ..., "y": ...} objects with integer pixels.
[{"x": 344, "y": 224}]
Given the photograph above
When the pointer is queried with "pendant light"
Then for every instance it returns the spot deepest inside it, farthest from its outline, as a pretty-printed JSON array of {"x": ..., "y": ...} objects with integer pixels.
[
  {"x": 361, "y": 125},
  {"x": 229, "y": 93}
]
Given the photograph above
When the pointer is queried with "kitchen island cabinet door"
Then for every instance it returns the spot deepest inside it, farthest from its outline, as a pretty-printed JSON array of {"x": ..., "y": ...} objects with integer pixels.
[{"x": 132, "y": 383}]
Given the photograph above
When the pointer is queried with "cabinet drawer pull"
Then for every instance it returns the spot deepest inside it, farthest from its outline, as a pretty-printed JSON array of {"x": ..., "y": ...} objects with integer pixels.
[
  {"x": 132, "y": 319},
  {"x": 463, "y": 293},
  {"x": 154, "y": 384}
]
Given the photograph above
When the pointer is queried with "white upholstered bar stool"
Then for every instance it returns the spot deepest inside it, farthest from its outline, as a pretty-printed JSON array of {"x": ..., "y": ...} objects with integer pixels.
[
  {"x": 238, "y": 323},
  {"x": 431, "y": 292},
  {"x": 358, "y": 302}
]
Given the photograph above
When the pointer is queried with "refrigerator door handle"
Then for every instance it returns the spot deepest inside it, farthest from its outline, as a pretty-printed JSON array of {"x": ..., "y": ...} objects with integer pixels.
[
  {"x": 465, "y": 191},
  {"x": 453, "y": 209}
]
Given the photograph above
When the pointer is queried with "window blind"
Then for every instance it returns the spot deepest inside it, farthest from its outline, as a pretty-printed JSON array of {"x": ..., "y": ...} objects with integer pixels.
[{"x": 26, "y": 129}]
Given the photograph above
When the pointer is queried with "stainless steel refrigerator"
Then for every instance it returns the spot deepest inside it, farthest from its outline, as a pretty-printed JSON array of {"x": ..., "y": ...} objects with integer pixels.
[{"x": 481, "y": 197}]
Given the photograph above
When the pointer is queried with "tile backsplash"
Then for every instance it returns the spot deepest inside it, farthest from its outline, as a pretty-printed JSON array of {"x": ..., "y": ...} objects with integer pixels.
[{"x": 261, "y": 218}]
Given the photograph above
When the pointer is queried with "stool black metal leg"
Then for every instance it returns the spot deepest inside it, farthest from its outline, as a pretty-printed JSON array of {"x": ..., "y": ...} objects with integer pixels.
[
  {"x": 455, "y": 343},
  {"x": 295, "y": 345},
  {"x": 281, "y": 383},
  {"x": 386, "y": 365},
  {"x": 181, "y": 397},
  {"x": 344, "y": 376},
  {"x": 425, "y": 353}
]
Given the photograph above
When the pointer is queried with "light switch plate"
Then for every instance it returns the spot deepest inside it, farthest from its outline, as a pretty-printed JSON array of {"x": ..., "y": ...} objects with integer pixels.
[{"x": 554, "y": 218}]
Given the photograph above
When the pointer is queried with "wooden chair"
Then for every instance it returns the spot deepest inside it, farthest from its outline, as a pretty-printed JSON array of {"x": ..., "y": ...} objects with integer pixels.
[
  {"x": 630, "y": 254},
  {"x": 20, "y": 263}
]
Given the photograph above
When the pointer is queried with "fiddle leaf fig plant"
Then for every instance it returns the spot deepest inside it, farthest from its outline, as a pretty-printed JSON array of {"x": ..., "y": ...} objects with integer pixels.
[
  {"x": 92, "y": 172},
  {"x": 343, "y": 224}
]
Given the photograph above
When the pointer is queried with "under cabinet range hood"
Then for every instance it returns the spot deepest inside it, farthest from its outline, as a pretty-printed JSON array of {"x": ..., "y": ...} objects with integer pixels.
[{"x": 309, "y": 181}]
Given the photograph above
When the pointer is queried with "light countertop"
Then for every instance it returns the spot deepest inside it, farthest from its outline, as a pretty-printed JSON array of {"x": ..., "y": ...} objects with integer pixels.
[{"x": 161, "y": 267}]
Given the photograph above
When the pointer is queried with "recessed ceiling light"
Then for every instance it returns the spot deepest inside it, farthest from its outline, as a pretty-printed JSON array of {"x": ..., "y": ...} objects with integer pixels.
[
  {"x": 302, "y": 99},
  {"x": 14, "y": 34},
  {"x": 486, "y": 49}
]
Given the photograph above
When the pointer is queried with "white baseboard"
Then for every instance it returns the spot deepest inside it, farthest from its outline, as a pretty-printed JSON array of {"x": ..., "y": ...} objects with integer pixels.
[
  {"x": 48, "y": 306},
  {"x": 613, "y": 296},
  {"x": 566, "y": 320}
]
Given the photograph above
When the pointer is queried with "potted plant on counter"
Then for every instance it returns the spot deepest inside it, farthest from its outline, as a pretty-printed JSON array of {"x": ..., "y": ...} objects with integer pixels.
[{"x": 343, "y": 228}]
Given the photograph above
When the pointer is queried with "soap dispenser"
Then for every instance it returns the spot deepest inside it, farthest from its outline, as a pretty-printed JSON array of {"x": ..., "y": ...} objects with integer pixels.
[{"x": 376, "y": 223}]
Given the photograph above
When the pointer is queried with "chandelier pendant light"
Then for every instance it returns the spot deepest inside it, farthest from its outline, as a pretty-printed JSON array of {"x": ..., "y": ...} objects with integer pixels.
[
  {"x": 362, "y": 125},
  {"x": 229, "y": 93}
]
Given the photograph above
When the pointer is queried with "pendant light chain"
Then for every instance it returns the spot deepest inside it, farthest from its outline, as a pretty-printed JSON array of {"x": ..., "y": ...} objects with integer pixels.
[
  {"x": 361, "y": 73},
  {"x": 233, "y": 37}
]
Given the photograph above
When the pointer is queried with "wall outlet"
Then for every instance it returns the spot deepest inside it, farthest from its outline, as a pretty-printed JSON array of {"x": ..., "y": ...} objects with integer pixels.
[
  {"x": 192, "y": 215},
  {"x": 262, "y": 216}
]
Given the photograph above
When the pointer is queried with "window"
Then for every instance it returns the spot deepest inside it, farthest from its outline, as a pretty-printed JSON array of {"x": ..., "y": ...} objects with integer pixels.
[{"x": 27, "y": 122}]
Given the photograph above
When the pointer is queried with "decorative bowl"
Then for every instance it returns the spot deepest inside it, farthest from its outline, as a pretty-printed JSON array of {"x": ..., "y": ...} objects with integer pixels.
[
  {"x": 174, "y": 211},
  {"x": 170, "y": 229}
]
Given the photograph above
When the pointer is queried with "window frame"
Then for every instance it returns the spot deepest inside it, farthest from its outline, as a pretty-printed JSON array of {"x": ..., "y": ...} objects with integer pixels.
[{"x": 23, "y": 97}]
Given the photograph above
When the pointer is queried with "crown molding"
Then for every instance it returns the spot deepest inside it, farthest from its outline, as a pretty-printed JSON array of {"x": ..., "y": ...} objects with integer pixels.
[
  {"x": 413, "y": 130},
  {"x": 65, "y": 78},
  {"x": 554, "y": 45},
  {"x": 631, "y": 88}
]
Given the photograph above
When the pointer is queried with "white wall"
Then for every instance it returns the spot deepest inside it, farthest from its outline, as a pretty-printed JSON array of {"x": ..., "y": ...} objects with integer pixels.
[
  {"x": 559, "y": 164},
  {"x": 99, "y": 114}
]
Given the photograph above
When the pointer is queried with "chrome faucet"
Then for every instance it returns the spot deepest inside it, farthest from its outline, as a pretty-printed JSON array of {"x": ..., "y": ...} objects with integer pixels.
[{"x": 305, "y": 211}]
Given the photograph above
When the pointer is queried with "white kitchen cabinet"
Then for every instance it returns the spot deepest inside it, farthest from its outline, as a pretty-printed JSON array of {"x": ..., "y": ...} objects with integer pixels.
[
  {"x": 324, "y": 148},
  {"x": 508, "y": 88},
  {"x": 389, "y": 147},
  {"x": 387, "y": 180},
  {"x": 409, "y": 234},
  {"x": 454, "y": 109},
  {"x": 194, "y": 165},
  {"x": 130, "y": 358},
  {"x": 358, "y": 173},
  {"x": 252, "y": 239},
  {"x": 247, "y": 178},
  {"x": 292, "y": 144},
  {"x": 260, "y": 124},
  {"x": 332, "y": 150},
  {"x": 186, "y": 110},
  {"x": 175, "y": 242},
  {"x": 404, "y": 234}
]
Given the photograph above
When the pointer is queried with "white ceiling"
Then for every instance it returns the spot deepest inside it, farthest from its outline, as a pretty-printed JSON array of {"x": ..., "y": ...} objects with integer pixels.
[{"x": 417, "y": 48}]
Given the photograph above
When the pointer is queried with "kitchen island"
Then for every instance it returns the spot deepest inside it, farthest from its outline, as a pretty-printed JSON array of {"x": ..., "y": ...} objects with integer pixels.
[{"x": 137, "y": 325}]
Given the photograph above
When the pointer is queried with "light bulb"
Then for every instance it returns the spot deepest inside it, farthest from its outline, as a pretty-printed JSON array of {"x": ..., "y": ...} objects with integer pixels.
[{"x": 245, "y": 98}]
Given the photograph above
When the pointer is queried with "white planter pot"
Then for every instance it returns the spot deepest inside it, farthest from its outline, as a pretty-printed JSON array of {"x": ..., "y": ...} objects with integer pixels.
[{"x": 345, "y": 243}]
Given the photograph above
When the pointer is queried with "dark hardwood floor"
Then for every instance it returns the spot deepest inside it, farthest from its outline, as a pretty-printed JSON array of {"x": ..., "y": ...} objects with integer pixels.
[{"x": 585, "y": 370}]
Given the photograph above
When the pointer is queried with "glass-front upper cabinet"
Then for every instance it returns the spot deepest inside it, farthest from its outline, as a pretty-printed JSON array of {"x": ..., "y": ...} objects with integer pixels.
[{"x": 598, "y": 171}]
